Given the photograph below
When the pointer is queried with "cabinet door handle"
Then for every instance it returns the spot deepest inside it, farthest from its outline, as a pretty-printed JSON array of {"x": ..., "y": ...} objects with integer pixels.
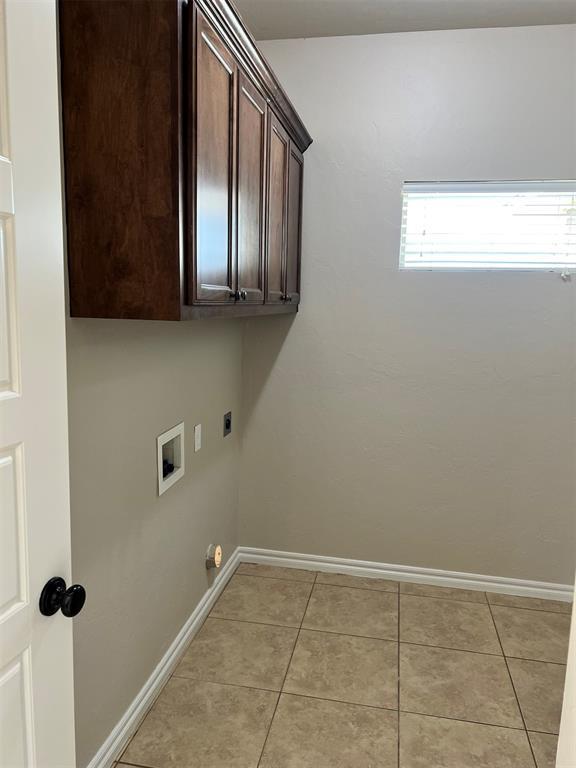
[
  {"x": 287, "y": 297},
  {"x": 243, "y": 294},
  {"x": 234, "y": 295}
]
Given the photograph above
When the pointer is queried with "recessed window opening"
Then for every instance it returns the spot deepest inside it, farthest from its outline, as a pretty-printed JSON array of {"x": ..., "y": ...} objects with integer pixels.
[{"x": 496, "y": 225}]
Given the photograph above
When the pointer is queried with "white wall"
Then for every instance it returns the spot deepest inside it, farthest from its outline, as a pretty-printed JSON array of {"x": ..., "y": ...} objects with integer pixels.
[{"x": 417, "y": 418}]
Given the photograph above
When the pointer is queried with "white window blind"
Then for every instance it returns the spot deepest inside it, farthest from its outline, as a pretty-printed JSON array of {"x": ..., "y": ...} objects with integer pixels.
[{"x": 527, "y": 225}]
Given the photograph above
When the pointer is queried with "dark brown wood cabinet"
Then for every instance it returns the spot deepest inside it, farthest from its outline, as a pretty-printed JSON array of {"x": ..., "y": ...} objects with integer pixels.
[
  {"x": 251, "y": 208},
  {"x": 182, "y": 163},
  {"x": 284, "y": 236},
  {"x": 213, "y": 277},
  {"x": 121, "y": 137}
]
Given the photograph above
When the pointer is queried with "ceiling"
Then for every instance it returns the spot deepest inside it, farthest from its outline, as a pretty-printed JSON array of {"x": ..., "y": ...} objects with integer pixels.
[{"x": 277, "y": 19}]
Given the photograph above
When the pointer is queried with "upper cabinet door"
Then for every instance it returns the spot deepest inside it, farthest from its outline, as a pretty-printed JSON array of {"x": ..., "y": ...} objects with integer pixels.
[
  {"x": 251, "y": 190},
  {"x": 294, "y": 226},
  {"x": 213, "y": 148},
  {"x": 278, "y": 152}
]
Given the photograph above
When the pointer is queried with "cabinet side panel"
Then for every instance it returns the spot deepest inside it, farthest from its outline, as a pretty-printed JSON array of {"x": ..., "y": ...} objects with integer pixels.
[
  {"x": 294, "y": 236},
  {"x": 120, "y": 69},
  {"x": 277, "y": 184}
]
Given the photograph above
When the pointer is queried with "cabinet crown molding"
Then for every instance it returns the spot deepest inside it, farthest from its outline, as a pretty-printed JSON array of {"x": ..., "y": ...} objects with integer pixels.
[{"x": 229, "y": 22}]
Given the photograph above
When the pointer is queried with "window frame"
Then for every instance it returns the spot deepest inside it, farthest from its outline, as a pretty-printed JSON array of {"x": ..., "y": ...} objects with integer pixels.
[{"x": 497, "y": 187}]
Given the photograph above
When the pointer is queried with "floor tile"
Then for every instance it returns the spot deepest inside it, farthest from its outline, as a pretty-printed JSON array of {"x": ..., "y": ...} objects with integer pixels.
[
  {"x": 447, "y": 623},
  {"x": 358, "y": 582},
  {"x": 539, "y": 687},
  {"x": 361, "y": 612},
  {"x": 534, "y": 603},
  {"x": 358, "y": 670},
  {"x": 429, "y": 742},
  {"x": 448, "y": 593},
  {"x": 239, "y": 653},
  {"x": 457, "y": 684},
  {"x": 311, "y": 733},
  {"x": 268, "y": 601},
  {"x": 276, "y": 572},
  {"x": 535, "y": 635},
  {"x": 203, "y": 725},
  {"x": 544, "y": 746}
]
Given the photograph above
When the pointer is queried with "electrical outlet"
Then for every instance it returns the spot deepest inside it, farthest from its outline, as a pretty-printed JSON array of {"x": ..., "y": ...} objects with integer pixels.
[{"x": 227, "y": 423}]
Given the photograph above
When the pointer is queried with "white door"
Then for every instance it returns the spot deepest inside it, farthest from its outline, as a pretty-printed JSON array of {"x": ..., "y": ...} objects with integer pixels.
[
  {"x": 567, "y": 740},
  {"x": 36, "y": 687}
]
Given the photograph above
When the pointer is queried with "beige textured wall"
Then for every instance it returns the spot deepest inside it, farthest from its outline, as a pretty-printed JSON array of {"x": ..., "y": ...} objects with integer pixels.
[
  {"x": 140, "y": 556},
  {"x": 417, "y": 418},
  {"x": 411, "y": 418}
]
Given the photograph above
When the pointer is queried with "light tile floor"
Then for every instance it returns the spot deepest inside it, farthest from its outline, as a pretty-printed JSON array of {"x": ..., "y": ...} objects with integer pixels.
[{"x": 297, "y": 669}]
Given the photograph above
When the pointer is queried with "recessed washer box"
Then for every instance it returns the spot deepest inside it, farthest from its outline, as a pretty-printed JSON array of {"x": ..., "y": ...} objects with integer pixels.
[
  {"x": 227, "y": 423},
  {"x": 170, "y": 456}
]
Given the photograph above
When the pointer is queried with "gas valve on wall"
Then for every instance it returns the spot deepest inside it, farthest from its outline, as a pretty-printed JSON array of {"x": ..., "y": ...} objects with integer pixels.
[{"x": 214, "y": 556}]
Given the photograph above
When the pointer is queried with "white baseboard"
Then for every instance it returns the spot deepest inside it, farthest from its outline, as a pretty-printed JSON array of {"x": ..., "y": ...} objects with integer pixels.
[
  {"x": 126, "y": 727},
  {"x": 521, "y": 587},
  {"x": 116, "y": 742}
]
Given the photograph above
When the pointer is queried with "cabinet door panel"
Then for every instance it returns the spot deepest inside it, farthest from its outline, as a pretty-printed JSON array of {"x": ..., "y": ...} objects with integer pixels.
[
  {"x": 294, "y": 225},
  {"x": 278, "y": 149},
  {"x": 215, "y": 176},
  {"x": 251, "y": 188}
]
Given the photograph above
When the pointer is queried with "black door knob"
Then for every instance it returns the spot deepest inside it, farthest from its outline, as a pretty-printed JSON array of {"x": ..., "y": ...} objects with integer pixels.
[{"x": 55, "y": 596}]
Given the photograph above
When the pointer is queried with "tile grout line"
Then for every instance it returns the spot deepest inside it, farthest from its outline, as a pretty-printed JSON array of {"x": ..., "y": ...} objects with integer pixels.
[
  {"x": 313, "y": 584},
  {"x": 542, "y": 733},
  {"x": 136, "y": 765},
  {"x": 513, "y": 686},
  {"x": 443, "y": 597},
  {"x": 228, "y": 685},
  {"x": 367, "y": 706},
  {"x": 399, "y": 591},
  {"x": 537, "y": 661},
  {"x": 340, "y": 701},
  {"x": 385, "y": 639},
  {"x": 460, "y": 720},
  {"x": 527, "y": 608},
  {"x": 408, "y": 594},
  {"x": 274, "y": 578}
]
